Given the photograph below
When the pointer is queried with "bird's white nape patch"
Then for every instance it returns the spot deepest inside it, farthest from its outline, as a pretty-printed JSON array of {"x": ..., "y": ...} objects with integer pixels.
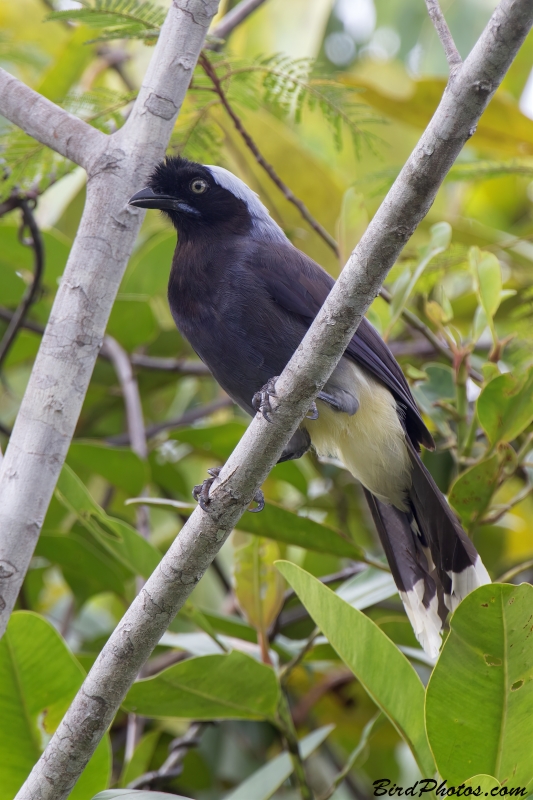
[
  {"x": 262, "y": 222},
  {"x": 465, "y": 582},
  {"x": 426, "y": 622}
]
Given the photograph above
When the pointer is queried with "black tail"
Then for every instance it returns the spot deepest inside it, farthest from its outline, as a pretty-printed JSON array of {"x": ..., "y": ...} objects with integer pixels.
[{"x": 433, "y": 562}]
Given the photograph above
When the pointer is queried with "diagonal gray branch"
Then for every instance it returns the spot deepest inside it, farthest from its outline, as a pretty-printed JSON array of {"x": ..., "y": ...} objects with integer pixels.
[
  {"x": 48, "y": 123},
  {"x": 116, "y": 166},
  {"x": 234, "y": 17},
  {"x": 464, "y": 100}
]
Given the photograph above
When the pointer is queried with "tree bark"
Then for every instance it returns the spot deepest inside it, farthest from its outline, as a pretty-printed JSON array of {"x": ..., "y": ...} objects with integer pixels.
[
  {"x": 468, "y": 92},
  {"x": 116, "y": 166}
]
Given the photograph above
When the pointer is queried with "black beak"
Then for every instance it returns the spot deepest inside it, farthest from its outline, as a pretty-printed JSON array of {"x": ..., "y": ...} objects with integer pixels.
[{"x": 146, "y": 198}]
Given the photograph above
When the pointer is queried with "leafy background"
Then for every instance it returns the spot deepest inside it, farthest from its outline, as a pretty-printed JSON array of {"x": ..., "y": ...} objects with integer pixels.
[{"x": 335, "y": 107}]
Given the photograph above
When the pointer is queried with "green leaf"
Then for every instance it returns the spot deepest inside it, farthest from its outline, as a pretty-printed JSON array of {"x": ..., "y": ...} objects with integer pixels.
[
  {"x": 471, "y": 493},
  {"x": 488, "y": 279},
  {"x": 439, "y": 386},
  {"x": 505, "y": 407},
  {"x": 232, "y": 686},
  {"x": 502, "y": 130},
  {"x": 277, "y": 523},
  {"x": 123, "y": 19},
  {"x": 479, "y": 706},
  {"x": 132, "y": 322},
  {"x": 39, "y": 678},
  {"x": 441, "y": 236},
  {"x": 267, "y": 780},
  {"x": 118, "y": 465},
  {"x": 285, "y": 526},
  {"x": 258, "y": 586},
  {"x": 116, "y": 536},
  {"x": 383, "y": 671},
  {"x": 485, "y": 782},
  {"x": 87, "y": 567}
]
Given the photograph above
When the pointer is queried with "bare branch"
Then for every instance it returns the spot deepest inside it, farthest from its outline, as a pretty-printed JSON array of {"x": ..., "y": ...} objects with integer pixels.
[
  {"x": 201, "y": 538},
  {"x": 130, "y": 391},
  {"x": 36, "y": 243},
  {"x": 234, "y": 18},
  {"x": 49, "y": 124},
  {"x": 269, "y": 169},
  {"x": 441, "y": 26}
]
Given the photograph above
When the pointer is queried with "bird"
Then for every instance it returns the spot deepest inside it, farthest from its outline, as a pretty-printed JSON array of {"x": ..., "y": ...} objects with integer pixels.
[{"x": 244, "y": 296}]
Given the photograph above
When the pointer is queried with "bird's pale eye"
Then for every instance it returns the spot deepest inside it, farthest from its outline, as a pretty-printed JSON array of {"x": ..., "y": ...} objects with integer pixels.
[{"x": 198, "y": 186}]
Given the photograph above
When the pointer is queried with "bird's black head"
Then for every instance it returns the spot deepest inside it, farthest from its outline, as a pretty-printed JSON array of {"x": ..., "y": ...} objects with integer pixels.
[{"x": 198, "y": 197}]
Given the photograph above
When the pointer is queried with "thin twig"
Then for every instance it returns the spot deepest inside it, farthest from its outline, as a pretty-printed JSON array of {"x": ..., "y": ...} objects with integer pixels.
[
  {"x": 414, "y": 322},
  {"x": 298, "y": 658},
  {"x": 233, "y": 18},
  {"x": 490, "y": 519},
  {"x": 289, "y": 195},
  {"x": 172, "y": 767},
  {"x": 508, "y": 576},
  {"x": 288, "y": 731},
  {"x": 36, "y": 243},
  {"x": 363, "y": 741},
  {"x": 179, "y": 422},
  {"x": 441, "y": 26}
]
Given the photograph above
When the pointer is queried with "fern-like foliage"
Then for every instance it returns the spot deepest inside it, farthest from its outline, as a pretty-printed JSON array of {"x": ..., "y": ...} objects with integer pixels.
[
  {"x": 288, "y": 87},
  {"x": 118, "y": 19},
  {"x": 29, "y": 167}
]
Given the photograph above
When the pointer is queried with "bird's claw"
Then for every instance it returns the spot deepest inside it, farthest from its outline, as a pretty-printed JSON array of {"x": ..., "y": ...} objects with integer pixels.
[
  {"x": 313, "y": 412},
  {"x": 261, "y": 399},
  {"x": 201, "y": 491},
  {"x": 259, "y": 498}
]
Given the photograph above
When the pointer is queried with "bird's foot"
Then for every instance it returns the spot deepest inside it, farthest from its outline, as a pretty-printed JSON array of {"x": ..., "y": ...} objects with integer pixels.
[
  {"x": 261, "y": 399},
  {"x": 313, "y": 412},
  {"x": 259, "y": 498},
  {"x": 201, "y": 492}
]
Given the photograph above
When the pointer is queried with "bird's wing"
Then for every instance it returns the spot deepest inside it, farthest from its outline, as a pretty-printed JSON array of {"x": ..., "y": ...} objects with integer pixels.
[{"x": 300, "y": 285}]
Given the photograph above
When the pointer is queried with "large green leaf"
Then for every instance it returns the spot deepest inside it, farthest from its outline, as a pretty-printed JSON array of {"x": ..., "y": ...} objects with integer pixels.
[
  {"x": 267, "y": 780},
  {"x": 87, "y": 566},
  {"x": 278, "y": 523},
  {"x": 472, "y": 491},
  {"x": 115, "y": 535},
  {"x": 118, "y": 465},
  {"x": 132, "y": 322},
  {"x": 479, "y": 706},
  {"x": 258, "y": 586},
  {"x": 505, "y": 406},
  {"x": 385, "y": 673},
  {"x": 39, "y": 678},
  {"x": 502, "y": 129},
  {"x": 232, "y": 686}
]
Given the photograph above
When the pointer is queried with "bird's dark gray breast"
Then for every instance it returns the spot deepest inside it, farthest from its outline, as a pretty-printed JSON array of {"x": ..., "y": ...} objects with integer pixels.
[{"x": 223, "y": 308}]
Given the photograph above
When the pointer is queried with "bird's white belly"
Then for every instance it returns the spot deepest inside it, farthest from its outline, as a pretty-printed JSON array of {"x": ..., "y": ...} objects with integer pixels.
[{"x": 370, "y": 443}]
